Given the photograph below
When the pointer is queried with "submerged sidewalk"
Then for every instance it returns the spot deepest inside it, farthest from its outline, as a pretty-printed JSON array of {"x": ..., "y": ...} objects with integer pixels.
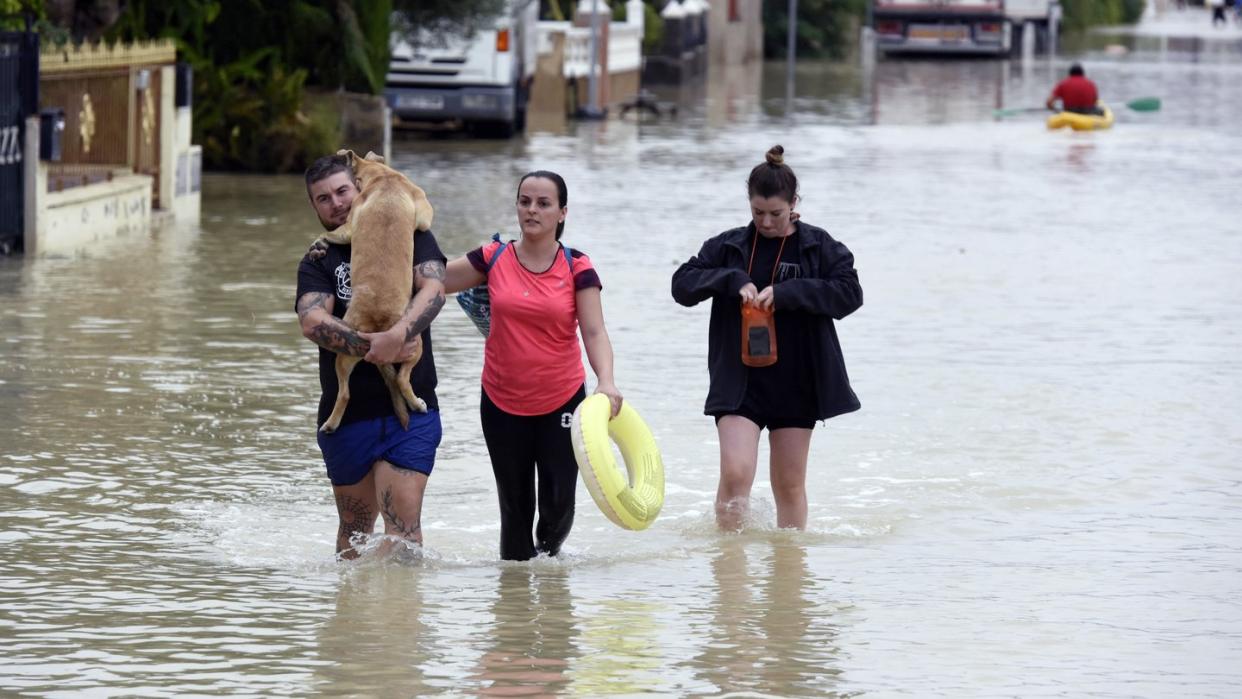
[{"x": 1162, "y": 18}]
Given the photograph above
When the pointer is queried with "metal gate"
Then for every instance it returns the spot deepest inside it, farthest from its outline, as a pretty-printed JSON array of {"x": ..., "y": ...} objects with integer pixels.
[{"x": 19, "y": 98}]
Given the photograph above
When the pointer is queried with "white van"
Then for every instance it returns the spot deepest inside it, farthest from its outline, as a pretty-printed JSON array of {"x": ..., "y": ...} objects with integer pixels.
[{"x": 481, "y": 82}]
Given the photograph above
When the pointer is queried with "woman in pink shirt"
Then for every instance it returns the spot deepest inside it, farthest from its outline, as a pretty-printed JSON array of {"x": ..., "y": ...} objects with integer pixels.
[{"x": 541, "y": 295}]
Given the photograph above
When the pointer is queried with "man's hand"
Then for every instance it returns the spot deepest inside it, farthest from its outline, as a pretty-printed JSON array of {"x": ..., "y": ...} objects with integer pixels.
[{"x": 390, "y": 347}]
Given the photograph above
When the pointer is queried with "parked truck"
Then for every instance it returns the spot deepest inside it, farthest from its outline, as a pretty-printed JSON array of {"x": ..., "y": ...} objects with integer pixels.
[
  {"x": 480, "y": 81},
  {"x": 956, "y": 26},
  {"x": 941, "y": 26}
]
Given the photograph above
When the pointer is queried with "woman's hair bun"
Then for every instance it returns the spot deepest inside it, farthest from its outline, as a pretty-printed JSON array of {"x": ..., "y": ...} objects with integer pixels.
[{"x": 776, "y": 155}]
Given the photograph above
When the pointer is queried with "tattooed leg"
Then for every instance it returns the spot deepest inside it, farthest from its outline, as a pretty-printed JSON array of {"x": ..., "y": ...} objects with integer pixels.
[
  {"x": 355, "y": 511},
  {"x": 401, "y": 500}
]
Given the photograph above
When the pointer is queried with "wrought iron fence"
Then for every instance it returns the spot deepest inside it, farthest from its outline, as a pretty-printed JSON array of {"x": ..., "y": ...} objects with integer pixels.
[
  {"x": 19, "y": 68},
  {"x": 111, "y": 98}
]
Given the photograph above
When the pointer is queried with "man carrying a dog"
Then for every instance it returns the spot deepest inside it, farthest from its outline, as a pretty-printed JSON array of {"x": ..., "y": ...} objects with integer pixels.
[{"x": 376, "y": 467}]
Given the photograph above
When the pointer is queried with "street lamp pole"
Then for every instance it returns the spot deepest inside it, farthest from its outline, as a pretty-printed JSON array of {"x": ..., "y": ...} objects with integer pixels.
[
  {"x": 592, "y": 80},
  {"x": 791, "y": 56}
]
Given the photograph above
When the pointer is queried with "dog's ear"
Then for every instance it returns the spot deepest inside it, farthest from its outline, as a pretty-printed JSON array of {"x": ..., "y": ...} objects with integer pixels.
[
  {"x": 349, "y": 156},
  {"x": 373, "y": 157}
]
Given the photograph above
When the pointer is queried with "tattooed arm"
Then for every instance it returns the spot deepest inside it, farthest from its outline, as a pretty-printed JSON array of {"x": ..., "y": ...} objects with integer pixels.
[
  {"x": 326, "y": 330},
  {"x": 398, "y": 341}
]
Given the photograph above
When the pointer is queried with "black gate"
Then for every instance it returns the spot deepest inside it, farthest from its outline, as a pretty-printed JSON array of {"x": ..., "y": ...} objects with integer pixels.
[{"x": 19, "y": 98}]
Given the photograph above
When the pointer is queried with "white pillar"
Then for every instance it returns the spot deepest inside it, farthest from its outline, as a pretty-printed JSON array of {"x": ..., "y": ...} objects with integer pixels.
[
  {"x": 34, "y": 182},
  {"x": 168, "y": 137},
  {"x": 597, "y": 12},
  {"x": 634, "y": 10},
  {"x": 866, "y": 48},
  {"x": 1054, "y": 28}
]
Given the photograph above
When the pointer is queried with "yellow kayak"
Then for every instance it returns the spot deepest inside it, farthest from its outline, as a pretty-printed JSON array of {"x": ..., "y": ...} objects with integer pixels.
[{"x": 1082, "y": 122}]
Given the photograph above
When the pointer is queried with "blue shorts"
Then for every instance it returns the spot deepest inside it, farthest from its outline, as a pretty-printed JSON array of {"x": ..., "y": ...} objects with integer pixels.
[{"x": 351, "y": 451}]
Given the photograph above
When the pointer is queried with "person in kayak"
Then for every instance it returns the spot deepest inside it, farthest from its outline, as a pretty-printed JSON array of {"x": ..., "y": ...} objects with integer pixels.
[{"x": 1077, "y": 94}]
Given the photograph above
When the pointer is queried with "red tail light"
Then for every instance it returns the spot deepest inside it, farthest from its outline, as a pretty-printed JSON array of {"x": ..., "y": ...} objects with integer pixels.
[
  {"x": 888, "y": 26},
  {"x": 502, "y": 40}
]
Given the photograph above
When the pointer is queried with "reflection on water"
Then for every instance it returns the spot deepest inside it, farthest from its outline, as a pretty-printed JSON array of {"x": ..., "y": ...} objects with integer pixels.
[
  {"x": 771, "y": 627},
  {"x": 1037, "y": 498},
  {"x": 533, "y": 634},
  {"x": 379, "y": 614}
]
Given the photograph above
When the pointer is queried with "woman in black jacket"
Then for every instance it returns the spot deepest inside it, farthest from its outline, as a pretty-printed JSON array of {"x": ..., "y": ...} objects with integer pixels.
[{"x": 801, "y": 279}]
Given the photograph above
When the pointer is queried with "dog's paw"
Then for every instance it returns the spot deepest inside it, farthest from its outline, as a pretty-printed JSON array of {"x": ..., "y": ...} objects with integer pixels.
[
  {"x": 419, "y": 405},
  {"x": 318, "y": 249}
]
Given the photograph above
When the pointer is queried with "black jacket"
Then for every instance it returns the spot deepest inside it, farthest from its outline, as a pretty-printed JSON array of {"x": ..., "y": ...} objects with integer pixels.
[{"x": 827, "y": 289}]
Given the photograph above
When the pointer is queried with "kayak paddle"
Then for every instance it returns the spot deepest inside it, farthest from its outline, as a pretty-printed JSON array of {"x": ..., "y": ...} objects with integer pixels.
[
  {"x": 1142, "y": 104},
  {"x": 1018, "y": 110},
  {"x": 1145, "y": 104}
]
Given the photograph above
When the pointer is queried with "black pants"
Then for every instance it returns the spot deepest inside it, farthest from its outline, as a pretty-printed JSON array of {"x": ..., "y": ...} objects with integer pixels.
[{"x": 520, "y": 447}]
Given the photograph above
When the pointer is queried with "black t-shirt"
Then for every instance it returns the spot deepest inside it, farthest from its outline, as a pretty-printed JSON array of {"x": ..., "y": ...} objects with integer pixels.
[
  {"x": 369, "y": 396},
  {"x": 786, "y": 389}
]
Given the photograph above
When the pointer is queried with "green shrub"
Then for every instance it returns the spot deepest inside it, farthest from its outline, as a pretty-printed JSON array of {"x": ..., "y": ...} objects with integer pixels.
[
  {"x": 1132, "y": 10},
  {"x": 823, "y": 29},
  {"x": 1081, "y": 14},
  {"x": 653, "y": 29}
]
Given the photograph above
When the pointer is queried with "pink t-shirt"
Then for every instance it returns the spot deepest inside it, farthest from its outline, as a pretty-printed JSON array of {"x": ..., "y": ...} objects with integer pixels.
[{"x": 532, "y": 362}]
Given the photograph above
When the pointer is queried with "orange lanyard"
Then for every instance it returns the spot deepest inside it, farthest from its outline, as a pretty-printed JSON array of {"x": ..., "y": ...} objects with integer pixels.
[{"x": 754, "y": 245}]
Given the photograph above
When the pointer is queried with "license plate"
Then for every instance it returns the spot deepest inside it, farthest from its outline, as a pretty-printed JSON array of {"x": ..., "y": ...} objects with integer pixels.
[
  {"x": 940, "y": 32},
  {"x": 427, "y": 102}
]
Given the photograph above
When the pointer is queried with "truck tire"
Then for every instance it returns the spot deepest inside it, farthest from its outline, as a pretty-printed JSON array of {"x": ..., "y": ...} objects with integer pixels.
[
  {"x": 504, "y": 129},
  {"x": 519, "y": 116}
]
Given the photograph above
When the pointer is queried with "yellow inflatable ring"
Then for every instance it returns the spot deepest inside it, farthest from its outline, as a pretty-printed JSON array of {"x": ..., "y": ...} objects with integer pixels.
[{"x": 633, "y": 504}]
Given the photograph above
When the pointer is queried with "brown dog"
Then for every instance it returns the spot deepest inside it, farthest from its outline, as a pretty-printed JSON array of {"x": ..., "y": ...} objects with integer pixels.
[{"x": 381, "y": 225}]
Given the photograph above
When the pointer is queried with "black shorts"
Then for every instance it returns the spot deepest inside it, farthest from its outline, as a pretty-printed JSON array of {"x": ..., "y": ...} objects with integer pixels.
[{"x": 764, "y": 418}]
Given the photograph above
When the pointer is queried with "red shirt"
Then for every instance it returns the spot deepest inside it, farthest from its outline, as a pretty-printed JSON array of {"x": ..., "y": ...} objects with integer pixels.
[
  {"x": 532, "y": 362},
  {"x": 1076, "y": 92}
]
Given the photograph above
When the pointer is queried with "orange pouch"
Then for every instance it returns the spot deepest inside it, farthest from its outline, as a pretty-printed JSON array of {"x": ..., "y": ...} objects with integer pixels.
[
  {"x": 758, "y": 336},
  {"x": 759, "y": 325}
]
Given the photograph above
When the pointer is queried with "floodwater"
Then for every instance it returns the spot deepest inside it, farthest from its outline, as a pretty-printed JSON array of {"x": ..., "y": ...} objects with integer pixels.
[{"x": 1039, "y": 497}]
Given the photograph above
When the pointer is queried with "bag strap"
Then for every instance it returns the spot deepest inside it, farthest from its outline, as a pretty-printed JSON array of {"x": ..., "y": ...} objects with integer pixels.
[
  {"x": 569, "y": 260},
  {"x": 496, "y": 256}
]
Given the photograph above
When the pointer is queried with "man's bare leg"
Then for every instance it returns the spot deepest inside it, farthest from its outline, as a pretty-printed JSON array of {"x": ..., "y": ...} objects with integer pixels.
[
  {"x": 356, "y": 509},
  {"x": 399, "y": 492}
]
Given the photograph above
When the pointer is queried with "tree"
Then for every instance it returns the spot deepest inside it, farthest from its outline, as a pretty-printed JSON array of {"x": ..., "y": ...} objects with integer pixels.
[
  {"x": 252, "y": 60},
  {"x": 426, "y": 21},
  {"x": 85, "y": 20},
  {"x": 823, "y": 29}
]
